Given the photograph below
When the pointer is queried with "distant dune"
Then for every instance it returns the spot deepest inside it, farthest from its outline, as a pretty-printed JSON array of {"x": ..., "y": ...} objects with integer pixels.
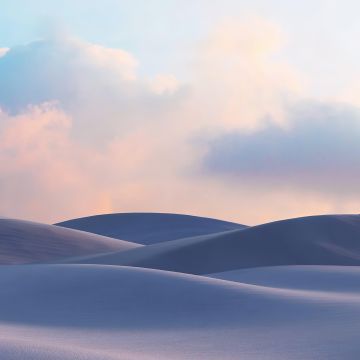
[
  {"x": 149, "y": 228},
  {"x": 315, "y": 240},
  {"x": 28, "y": 242}
]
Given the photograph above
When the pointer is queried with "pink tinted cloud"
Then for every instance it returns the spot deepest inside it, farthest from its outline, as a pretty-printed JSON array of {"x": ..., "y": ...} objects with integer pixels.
[
  {"x": 3, "y": 51},
  {"x": 44, "y": 172}
]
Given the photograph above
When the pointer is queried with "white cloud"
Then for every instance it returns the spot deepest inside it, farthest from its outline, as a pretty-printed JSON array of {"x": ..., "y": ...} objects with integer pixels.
[
  {"x": 164, "y": 84},
  {"x": 98, "y": 86},
  {"x": 3, "y": 51},
  {"x": 42, "y": 170},
  {"x": 318, "y": 151},
  {"x": 237, "y": 81}
]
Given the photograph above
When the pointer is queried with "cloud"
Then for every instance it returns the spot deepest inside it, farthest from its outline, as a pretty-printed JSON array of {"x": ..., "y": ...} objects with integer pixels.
[
  {"x": 48, "y": 175},
  {"x": 237, "y": 81},
  {"x": 3, "y": 51},
  {"x": 42, "y": 170},
  {"x": 98, "y": 86},
  {"x": 81, "y": 132},
  {"x": 318, "y": 150},
  {"x": 164, "y": 84},
  {"x": 64, "y": 69}
]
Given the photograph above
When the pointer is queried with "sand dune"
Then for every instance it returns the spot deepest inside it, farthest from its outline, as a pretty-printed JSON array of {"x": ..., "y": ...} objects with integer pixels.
[
  {"x": 110, "y": 312},
  {"x": 27, "y": 242},
  {"x": 342, "y": 279},
  {"x": 250, "y": 305},
  {"x": 315, "y": 240},
  {"x": 149, "y": 228}
]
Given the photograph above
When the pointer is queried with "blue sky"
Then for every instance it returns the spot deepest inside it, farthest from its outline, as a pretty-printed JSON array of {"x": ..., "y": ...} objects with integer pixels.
[{"x": 321, "y": 34}]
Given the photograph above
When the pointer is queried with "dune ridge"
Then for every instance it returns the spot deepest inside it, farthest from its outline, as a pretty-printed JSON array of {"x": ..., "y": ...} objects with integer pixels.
[
  {"x": 314, "y": 240},
  {"x": 149, "y": 228},
  {"x": 28, "y": 242}
]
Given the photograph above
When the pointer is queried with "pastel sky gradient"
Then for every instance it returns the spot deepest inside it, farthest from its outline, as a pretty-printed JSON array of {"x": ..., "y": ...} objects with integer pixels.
[{"x": 242, "y": 110}]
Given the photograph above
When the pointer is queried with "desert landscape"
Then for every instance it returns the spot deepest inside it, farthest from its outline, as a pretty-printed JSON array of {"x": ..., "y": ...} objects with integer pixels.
[
  {"x": 166, "y": 286},
  {"x": 179, "y": 180}
]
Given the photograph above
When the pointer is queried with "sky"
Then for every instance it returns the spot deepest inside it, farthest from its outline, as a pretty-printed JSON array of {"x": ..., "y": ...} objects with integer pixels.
[{"x": 241, "y": 110}]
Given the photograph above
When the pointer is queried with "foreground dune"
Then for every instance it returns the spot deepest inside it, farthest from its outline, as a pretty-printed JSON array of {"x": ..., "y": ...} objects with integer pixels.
[
  {"x": 315, "y": 240},
  {"x": 28, "y": 242},
  {"x": 109, "y": 312},
  {"x": 149, "y": 228}
]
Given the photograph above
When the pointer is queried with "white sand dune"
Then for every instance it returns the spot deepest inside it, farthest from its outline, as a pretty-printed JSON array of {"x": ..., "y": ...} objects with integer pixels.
[
  {"x": 315, "y": 240},
  {"x": 342, "y": 279},
  {"x": 27, "y": 242},
  {"x": 111, "y": 312},
  {"x": 248, "y": 307},
  {"x": 149, "y": 228}
]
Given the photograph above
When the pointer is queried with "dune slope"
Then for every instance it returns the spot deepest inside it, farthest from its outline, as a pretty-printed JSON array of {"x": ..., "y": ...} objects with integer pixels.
[
  {"x": 342, "y": 279},
  {"x": 28, "y": 242},
  {"x": 316, "y": 240},
  {"x": 149, "y": 228},
  {"x": 110, "y": 312}
]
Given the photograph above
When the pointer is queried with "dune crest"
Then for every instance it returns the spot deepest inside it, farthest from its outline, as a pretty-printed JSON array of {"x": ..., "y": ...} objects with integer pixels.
[
  {"x": 314, "y": 240},
  {"x": 149, "y": 228},
  {"x": 24, "y": 242}
]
